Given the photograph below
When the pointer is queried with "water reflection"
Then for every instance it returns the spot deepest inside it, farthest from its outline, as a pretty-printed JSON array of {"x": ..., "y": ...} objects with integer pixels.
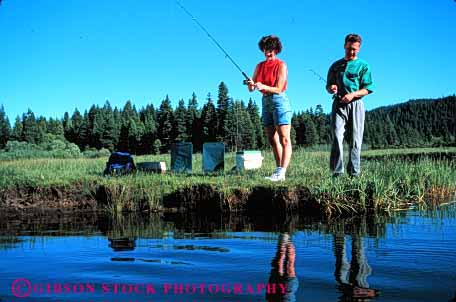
[
  {"x": 352, "y": 277},
  {"x": 286, "y": 249},
  {"x": 123, "y": 231},
  {"x": 7, "y": 242},
  {"x": 122, "y": 244},
  {"x": 122, "y": 259},
  {"x": 283, "y": 271}
]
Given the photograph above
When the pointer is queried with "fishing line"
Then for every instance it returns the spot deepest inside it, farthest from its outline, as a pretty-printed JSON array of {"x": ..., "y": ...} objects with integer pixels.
[
  {"x": 214, "y": 40},
  {"x": 317, "y": 75},
  {"x": 323, "y": 79}
]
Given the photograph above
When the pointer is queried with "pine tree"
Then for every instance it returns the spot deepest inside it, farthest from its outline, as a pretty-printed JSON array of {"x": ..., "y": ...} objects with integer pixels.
[
  {"x": 180, "y": 122},
  {"x": 116, "y": 115},
  {"x": 42, "y": 126},
  {"x": 131, "y": 131},
  {"x": 165, "y": 119},
  {"x": 84, "y": 132},
  {"x": 31, "y": 132},
  {"x": 92, "y": 140},
  {"x": 16, "y": 132},
  {"x": 321, "y": 123},
  {"x": 135, "y": 132},
  {"x": 67, "y": 126},
  {"x": 239, "y": 130},
  {"x": 72, "y": 133},
  {"x": 390, "y": 133},
  {"x": 231, "y": 126},
  {"x": 97, "y": 129},
  {"x": 413, "y": 137},
  {"x": 222, "y": 109},
  {"x": 254, "y": 113},
  {"x": 5, "y": 128},
  {"x": 125, "y": 115},
  {"x": 293, "y": 136},
  {"x": 247, "y": 130},
  {"x": 310, "y": 132},
  {"x": 104, "y": 128},
  {"x": 295, "y": 133},
  {"x": 209, "y": 121},
  {"x": 55, "y": 127},
  {"x": 123, "y": 144},
  {"x": 148, "y": 118},
  {"x": 156, "y": 147},
  {"x": 194, "y": 126}
]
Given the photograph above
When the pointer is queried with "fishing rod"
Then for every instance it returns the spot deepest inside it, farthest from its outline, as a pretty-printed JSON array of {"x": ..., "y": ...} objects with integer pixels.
[
  {"x": 215, "y": 41},
  {"x": 317, "y": 75},
  {"x": 323, "y": 79}
]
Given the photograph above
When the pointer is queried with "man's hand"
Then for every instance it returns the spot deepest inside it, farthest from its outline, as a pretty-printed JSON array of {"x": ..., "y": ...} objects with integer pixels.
[
  {"x": 348, "y": 98},
  {"x": 332, "y": 89}
]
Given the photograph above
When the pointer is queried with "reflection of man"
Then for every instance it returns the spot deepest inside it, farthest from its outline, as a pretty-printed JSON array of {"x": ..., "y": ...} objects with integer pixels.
[
  {"x": 283, "y": 271},
  {"x": 352, "y": 278}
]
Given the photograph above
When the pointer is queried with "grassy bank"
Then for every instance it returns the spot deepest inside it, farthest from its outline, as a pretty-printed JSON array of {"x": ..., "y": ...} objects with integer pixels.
[{"x": 389, "y": 183}]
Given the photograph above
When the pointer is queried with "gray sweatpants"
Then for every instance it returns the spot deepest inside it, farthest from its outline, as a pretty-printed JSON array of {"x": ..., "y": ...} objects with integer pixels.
[{"x": 348, "y": 117}]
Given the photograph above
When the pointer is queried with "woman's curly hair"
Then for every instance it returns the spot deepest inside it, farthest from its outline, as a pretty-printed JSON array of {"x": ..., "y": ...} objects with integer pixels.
[{"x": 270, "y": 42}]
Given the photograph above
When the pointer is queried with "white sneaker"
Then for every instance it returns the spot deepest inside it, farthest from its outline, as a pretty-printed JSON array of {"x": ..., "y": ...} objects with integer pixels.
[{"x": 276, "y": 176}]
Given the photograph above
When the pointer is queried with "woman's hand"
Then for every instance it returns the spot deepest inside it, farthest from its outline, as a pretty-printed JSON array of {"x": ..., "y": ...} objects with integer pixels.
[
  {"x": 260, "y": 86},
  {"x": 251, "y": 85}
]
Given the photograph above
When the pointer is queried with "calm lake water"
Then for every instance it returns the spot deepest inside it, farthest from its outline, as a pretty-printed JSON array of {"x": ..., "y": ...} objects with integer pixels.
[{"x": 410, "y": 257}]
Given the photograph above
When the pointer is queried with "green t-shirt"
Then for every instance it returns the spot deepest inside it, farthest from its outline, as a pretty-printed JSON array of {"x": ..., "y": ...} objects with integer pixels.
[{"x": 350, "y": 76}]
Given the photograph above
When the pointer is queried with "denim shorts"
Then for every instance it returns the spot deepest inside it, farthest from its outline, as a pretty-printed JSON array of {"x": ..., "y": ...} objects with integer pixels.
[{"x": 276, "y": 110}]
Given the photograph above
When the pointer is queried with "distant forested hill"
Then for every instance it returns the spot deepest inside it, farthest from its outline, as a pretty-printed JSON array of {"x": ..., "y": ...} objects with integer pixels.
[{"x": 424, "y": 122}]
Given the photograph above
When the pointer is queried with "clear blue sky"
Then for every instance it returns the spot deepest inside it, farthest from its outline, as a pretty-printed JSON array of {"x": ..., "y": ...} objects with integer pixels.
[{"x": 56, "y": 55}]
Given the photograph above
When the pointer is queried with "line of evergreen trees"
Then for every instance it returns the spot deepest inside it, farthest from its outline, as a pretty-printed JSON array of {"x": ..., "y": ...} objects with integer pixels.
[
  {"x": 152, "y": 130},
  {"x": 149, "y": 130}
]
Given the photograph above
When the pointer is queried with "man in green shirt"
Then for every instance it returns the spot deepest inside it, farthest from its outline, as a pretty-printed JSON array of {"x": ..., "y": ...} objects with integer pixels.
[{"x": 349, "y": 79}]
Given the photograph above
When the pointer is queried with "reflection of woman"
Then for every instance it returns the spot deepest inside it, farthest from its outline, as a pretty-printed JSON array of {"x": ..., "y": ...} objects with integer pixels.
[
  {"x": 270, "y": 78},
  {"x": 283, "y": 271},
  {"x": 354, "y": 287}
]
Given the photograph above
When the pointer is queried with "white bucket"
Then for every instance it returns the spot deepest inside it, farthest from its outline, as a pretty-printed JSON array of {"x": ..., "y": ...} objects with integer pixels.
[
  {"x": 249, "y": 160},
  {"x": 155, "y": 166}
]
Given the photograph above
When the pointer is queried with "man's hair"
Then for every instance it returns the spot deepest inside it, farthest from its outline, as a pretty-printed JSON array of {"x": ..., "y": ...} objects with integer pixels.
[
  {"x": 270, "y": 42},
  {"x": 352, "y": 38}
]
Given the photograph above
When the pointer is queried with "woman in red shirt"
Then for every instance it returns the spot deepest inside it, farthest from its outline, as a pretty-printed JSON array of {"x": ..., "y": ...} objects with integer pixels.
[{"x": 270, "y": 78}]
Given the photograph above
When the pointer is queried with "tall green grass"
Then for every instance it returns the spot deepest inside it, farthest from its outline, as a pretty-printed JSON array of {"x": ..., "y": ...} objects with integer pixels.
[{"x": 394, "y": 184}]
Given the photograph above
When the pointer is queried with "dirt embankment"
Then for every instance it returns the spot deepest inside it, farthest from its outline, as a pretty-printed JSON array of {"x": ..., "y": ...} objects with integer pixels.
[
  {"x": 204, "y": 199},
  {"x": 51, "y": 198}
]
